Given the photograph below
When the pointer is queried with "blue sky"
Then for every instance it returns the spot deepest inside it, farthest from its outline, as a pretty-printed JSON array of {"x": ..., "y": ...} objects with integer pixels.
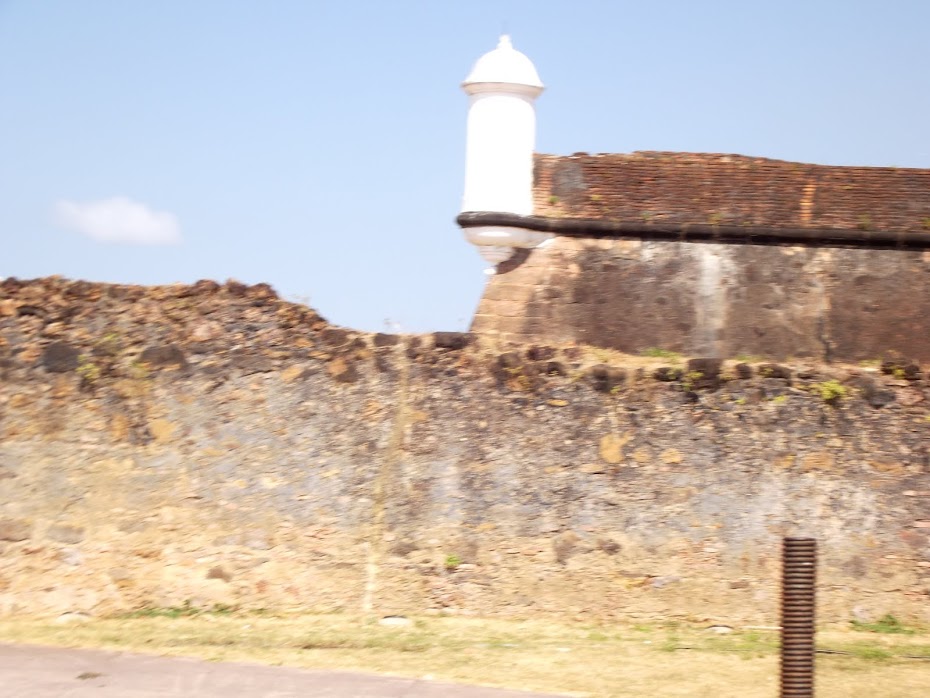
[{"x": 319, "y": 146}]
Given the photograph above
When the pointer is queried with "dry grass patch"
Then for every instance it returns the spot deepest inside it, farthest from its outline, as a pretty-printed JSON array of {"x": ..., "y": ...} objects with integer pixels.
[{"x": 661, "y": 660}]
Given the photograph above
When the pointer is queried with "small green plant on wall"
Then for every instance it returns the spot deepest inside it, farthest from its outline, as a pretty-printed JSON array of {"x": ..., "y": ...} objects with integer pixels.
[
  {"x": 138, "y": 370},
  {"x": 831, "y": 391},
  {"x": 748, "y": 358},
  {"x": 689, "y": 380},
  {"x": 452, "y": 562},
  {"x": 887, "y": 624},
  {"x": 87, "y": 370},
  {"x": 659, "y": 353},
  {"x": 109, "y": 345}
]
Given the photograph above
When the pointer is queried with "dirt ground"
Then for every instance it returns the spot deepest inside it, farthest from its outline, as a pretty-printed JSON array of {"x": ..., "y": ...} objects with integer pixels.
[{"x": 664, "y": 660}]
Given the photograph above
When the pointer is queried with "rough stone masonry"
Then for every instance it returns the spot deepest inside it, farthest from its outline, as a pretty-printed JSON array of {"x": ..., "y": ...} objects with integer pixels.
[{"x": 213, "y": 444}]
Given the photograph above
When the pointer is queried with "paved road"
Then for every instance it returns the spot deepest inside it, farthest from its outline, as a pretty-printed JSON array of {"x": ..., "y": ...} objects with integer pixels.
[{"x": 49, "y": 672}]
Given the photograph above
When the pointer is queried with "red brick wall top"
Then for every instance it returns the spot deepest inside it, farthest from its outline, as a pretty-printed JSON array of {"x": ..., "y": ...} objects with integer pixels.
[{"x": 702, "y": 188}]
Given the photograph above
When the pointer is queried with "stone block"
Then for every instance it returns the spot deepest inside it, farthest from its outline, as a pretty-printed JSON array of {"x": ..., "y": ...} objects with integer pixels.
[
  {"x": 703, "y": 374},
  {"x": 60, "y": 357},
  {"x": 15, "y": 530},
  {"x": 453, "y": 341},
  {"x": 163, "y": 356},
  {"x": 606, "y": 379},
  {"x": 63, "y": 533}
]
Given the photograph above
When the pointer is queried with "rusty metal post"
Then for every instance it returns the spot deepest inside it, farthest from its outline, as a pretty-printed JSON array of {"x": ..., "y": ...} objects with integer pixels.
[{"x": 799, "y": 571}]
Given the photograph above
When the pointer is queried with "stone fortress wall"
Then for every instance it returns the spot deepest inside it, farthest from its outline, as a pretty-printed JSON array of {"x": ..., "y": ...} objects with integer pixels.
[
  {"x": 213, "y": 444},
  {"x": 712, "y": 299},
  {"x": 719, "y": 255}
]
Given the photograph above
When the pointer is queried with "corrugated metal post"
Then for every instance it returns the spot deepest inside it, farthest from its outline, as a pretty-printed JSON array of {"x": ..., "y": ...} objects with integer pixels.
[{"x": 799, "y": 572}]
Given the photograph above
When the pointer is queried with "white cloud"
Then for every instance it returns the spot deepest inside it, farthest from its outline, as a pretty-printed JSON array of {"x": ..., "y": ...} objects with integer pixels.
[{"x": 119, "y": 220}]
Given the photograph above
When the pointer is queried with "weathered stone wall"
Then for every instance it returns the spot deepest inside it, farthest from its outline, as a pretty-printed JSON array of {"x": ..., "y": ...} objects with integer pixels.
[
  {"x": 214, "y": 444},
  {"x": 822, "y": 303}
]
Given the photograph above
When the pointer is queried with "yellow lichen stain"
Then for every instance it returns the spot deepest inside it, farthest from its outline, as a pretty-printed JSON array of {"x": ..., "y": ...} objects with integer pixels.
[
  {"x": 372, "y": 409},
  {"x": 678, "y": 495},
  {"x": 127, "y": 388},
  {"x": 63, "y": 387},
  {"x": 611, "y": 447},
  {"x": 362, "y": 354},
  {"x": 29, "y": 354},
  {"x": 671, "y": 456},
  {"x": 478, "y": 467},
  {"x": 641, "y": 456},
  {"x": 107, "y": 467},
  {"x": 18, "y": 401},
  {"x": 592, "y": 469},
  {"x": 291, "y": 373},
  {"x": 786, "y": 461},
  {"x": 119, "y": 427},
  {"x": 337, "y": 367},
  {"x": 889, "y": 467},
  {"x": 162, "y": 430},
  {"x": 820, "y": 460},
  {"x": 631, "y": 582}
]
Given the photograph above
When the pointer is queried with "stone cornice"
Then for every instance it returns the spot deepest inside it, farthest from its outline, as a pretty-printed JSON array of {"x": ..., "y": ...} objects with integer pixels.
[{"x": 693, "y": 232}]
